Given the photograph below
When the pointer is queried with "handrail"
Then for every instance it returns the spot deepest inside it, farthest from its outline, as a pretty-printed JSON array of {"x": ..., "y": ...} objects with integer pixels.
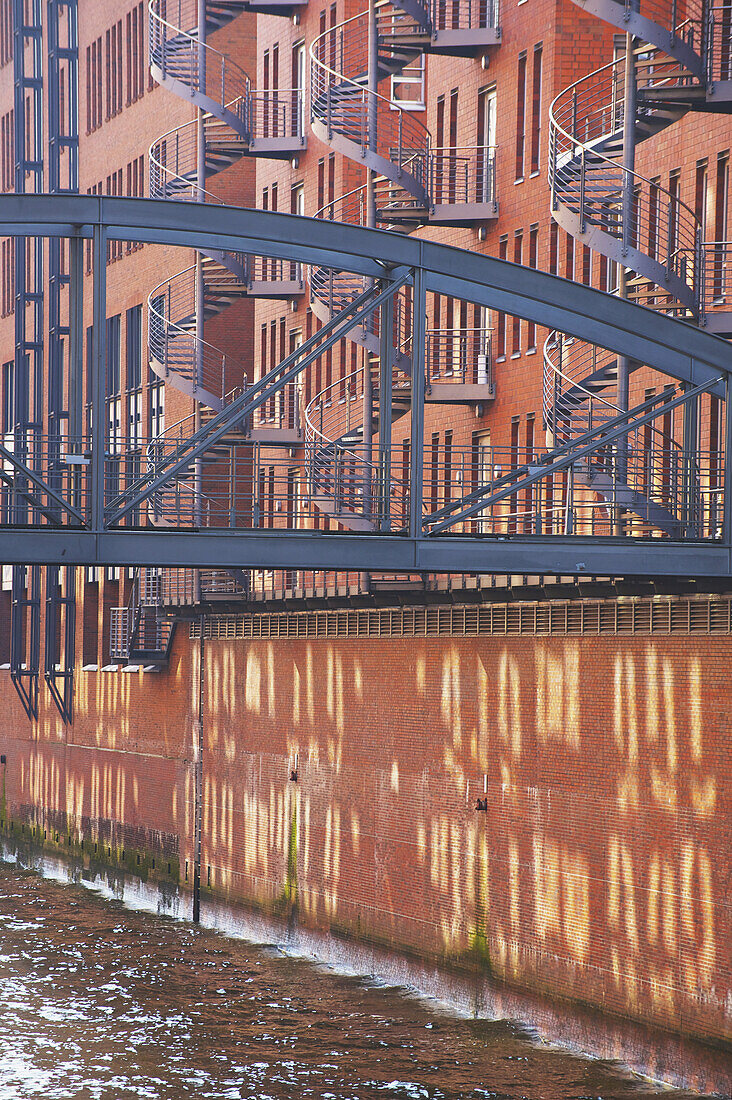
[
  {"x": 341, "y": 102},
  {"x": 221, "y": 63},
  {"x": 633, "y": 204},
  {"x": 202, "y": 364}
]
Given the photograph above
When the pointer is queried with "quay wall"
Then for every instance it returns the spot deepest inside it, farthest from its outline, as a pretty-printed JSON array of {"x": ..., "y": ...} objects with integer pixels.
[{"x": 551, "y": 812}]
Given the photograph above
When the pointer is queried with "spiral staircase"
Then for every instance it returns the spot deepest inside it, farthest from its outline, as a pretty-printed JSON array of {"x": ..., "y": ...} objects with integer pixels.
[
  {"x": 237, "y": 121},
  {"x": 619, "y": 213},
  {"x": 414, "y": 185}
]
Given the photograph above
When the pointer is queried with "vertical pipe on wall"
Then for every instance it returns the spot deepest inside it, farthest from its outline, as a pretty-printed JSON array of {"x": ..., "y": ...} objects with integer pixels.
[
  {"x": 198, "y": 775},
  {"x": 200, "y": 288}
]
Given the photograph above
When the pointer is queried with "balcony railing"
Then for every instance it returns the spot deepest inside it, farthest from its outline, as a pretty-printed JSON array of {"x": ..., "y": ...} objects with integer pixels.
[
  {"x": 459, "y": 355},
  {"x": 463, "y": 175}
]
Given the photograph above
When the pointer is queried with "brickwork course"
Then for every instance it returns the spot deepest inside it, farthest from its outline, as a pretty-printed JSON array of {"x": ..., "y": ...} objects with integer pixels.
[{"x": 550, "y": 809}]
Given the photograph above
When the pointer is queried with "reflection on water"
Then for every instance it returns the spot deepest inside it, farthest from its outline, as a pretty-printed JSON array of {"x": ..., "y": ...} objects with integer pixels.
[{"x": 97, "y": 1001}]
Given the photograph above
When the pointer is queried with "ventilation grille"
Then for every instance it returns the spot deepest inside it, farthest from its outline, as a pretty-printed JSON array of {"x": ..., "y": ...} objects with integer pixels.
[{"x": 579, "y": 617}]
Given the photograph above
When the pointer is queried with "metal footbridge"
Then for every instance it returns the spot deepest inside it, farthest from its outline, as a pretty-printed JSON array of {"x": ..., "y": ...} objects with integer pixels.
[{"x": 654, "y": 508}]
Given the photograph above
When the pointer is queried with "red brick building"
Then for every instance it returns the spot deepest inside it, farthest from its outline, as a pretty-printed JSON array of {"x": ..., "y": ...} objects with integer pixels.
[{"x": 527, "y": 777}]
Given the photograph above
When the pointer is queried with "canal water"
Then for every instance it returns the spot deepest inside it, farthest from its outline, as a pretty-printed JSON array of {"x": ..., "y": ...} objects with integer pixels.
[{"x": 99, "y": 1001}]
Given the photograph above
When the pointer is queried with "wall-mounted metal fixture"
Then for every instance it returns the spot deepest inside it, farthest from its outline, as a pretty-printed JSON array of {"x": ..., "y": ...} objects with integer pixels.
[{"x": 481, "y": 804}]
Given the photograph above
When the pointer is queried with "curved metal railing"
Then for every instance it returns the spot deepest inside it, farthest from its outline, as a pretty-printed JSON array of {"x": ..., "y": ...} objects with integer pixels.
[
  {"x": 193, "y": 366},
  {"x": 367, "y": 126},
  {"x": 178, "y": 56},
  {"x": 629, "y": 218},
  {"x": 339, "y": 469}
]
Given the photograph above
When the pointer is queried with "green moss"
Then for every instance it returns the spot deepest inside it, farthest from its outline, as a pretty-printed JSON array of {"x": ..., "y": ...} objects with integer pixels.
[
  {"x": 92, "y": 850},
  {"x": 286, "y": 904},
  {"x": 291, "y": 877}
]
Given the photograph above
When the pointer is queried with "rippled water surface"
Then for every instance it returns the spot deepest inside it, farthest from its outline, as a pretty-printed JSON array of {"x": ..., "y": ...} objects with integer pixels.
[{"x": 100, "y": 1001}]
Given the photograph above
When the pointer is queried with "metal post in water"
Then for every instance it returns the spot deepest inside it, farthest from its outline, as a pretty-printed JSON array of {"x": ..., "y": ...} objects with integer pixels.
[
  {"x": 200, "y": 290},
  {"x": 198, "y": 794}
]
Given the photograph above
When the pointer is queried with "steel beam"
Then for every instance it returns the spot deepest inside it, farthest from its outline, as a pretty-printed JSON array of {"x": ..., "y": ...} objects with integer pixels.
[{"x": 276, "y": 549}]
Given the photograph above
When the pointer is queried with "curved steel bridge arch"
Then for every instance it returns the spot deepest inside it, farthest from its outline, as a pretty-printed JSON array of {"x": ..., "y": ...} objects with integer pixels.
[{"x": 698, "y": 360}]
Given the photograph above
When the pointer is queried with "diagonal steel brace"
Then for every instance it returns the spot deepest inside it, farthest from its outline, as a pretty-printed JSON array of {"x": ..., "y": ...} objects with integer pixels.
[
  {"x": 559, "y": 459},
  {"x": 256, "y": 395},
  {"x": 40, "y": 483}
]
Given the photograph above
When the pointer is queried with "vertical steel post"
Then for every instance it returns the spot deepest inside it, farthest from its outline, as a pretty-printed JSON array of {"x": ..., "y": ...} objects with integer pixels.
[
  {"x": 385, "y": 412},
  {"x": 372, "y": 108},
  {"x": 368, "y": 388},
  {"x": 76, "y": 342},
  {"x": 689, "y": 468},
  {"x": 727, "y": 502},
  {"x": 98, "y": 369},
  {"x": 629, "y": 138},
  {"x": 416, "y": 461}
]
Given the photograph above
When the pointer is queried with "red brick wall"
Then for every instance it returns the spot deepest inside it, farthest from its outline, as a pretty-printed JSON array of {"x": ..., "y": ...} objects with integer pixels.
[{"x": 599, "y": 872}]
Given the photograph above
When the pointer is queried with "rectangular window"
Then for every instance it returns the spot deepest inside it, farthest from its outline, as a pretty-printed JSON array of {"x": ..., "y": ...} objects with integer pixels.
[
  {"x": 654, "y": 212},
  {"x": 434, "y": 472},
  {"x": 142, "y": 52},
  {"x": 700, "y": 195},
  {"x": 134, "y": 347},
  {"x": 8, "y": 397},
  {"x": 298, "y": 87},
  {"x": 513, "y": 459},
  {"x": 673, "y": 186},
  {"x": 569, "y": 256},
  {"x": 533, "y": 261},
  {"x": 108, "y": 73},
  {"x": 520, "y": 116},
  {"x": 501, "y": 316},
  {"x": 536, "y": 110},
  {"x": 528, "y": 502},
  {"x": 586, "y": 265},
  {"x": 553, "y": 248},
  {"x": 447, "y": 490},
  {"x": 113, "y": 355},
  {"x": 720, "y": 263},
  {"x": 518, "y": 250},
  {"x": 156, "y": 406},
  {"x": 486, "y": 142},
  {"x": 6, "y": 32},
  {"x": 88, "y": 90}
]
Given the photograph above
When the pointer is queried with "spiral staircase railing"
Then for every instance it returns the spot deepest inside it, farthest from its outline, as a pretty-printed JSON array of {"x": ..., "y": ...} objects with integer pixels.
[
  {"x": 237, "y": 121},
  {"x": 342, "y": 478},
  {"x": 411, "y": 181},
  {"x": 619, "y": 212}
]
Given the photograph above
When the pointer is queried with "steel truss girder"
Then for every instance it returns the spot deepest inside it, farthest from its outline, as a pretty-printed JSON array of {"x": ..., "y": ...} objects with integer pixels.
[
  {"x": 273, "y": 549},
  {"x": 696, "y": 358},
  {"x": 557, "y": 460},
  {"x": 255, "y": 396},
  {"x": 674, "y": 347}
]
